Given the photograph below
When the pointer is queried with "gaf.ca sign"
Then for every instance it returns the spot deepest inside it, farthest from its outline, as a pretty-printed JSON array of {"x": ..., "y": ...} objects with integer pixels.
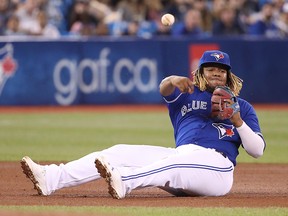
[{"x": 104, "y": 80}]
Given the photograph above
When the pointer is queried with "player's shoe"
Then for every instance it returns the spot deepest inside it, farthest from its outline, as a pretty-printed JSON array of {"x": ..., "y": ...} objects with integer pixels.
[
  {"x": 112, "y": 176},
  {"x": 36, "y": 173}
]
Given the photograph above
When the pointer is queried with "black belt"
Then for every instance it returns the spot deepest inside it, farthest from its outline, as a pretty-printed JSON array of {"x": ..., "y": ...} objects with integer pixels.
[{"x": 222, "y": 153}]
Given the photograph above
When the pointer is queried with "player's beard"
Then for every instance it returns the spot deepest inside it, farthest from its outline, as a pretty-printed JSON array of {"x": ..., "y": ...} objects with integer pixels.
[{"x": 210, "y": 88}]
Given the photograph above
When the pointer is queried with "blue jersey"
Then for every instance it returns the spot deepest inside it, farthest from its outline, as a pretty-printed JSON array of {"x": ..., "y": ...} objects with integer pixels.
[{"x": 190, "y": 117}]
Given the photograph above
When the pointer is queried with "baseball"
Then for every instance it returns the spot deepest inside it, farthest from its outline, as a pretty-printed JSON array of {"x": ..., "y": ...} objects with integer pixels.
[{"x": 167, "y": 19}]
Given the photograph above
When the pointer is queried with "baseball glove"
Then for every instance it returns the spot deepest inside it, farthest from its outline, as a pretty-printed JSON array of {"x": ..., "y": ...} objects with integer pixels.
[{"x": 224, "y": 103}]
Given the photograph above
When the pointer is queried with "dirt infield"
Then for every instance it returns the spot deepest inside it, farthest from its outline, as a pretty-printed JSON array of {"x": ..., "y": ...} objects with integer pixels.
[{"x": 255, "y": 185}]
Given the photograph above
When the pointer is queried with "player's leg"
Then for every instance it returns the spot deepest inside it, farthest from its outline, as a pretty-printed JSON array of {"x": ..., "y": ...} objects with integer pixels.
[
  {"x": 125, "y": 155},
  {"x": 83, "y": 170},
  {"x": 202, "y": 172},
  {"x": 49, "y": 178},
  {"x": 211, "y": 176}
]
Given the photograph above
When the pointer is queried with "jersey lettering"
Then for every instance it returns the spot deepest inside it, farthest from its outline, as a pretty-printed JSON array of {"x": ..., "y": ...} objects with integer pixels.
[{"x": 194, "y": 105}]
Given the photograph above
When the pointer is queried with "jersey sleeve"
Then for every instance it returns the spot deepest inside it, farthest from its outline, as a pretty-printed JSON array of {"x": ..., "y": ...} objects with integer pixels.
[
  {"x": 249, "y": 115},
  {"x": 172, "y": 97}
]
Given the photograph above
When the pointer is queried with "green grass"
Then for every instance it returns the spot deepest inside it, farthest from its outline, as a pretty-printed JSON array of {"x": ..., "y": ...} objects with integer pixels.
[
  {"x": 274, "y": 125},
  {"x": 153, "y": 211},
  {"x": 68, "y": 136}
]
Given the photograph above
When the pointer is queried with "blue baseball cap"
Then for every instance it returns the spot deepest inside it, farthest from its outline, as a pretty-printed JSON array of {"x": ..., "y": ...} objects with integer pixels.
[{"x": 216, "y": 57}]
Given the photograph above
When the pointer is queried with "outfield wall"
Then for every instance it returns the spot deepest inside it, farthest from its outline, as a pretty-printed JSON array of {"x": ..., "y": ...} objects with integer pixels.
[{"x": 128, "y": 71}]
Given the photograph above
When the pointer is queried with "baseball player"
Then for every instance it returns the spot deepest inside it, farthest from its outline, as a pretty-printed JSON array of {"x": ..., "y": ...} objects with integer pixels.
[{"x": 210, "y": 123}]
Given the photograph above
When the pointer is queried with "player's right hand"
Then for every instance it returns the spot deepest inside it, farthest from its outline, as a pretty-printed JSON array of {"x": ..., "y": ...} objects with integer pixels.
[{"x": 184, "y": 84}]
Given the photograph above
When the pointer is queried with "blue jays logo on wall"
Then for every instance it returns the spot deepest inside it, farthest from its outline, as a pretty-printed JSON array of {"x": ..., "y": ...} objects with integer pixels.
[
  {"x": 218, "y": 56},
  {"x": 8, "y": 65},
  {"x": 224, "y": 130}
]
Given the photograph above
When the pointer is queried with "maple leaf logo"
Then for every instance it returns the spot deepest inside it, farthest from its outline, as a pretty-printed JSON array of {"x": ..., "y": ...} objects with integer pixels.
[
  {"x": 229, "y": 132},
  {"x": 224, "y": 130},
  {"x": 9, "y": 66}
]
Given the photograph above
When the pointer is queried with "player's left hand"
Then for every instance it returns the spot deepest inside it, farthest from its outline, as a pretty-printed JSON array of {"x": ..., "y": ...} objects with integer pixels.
[{"x": 224, "y": 103}]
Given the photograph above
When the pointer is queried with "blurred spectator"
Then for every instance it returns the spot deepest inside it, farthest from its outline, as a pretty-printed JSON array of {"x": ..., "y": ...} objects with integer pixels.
[
  {"x": 138, "y": 19},
  {"x": 5, "y": 13},
  {"x": 244, "y": 9},
  {"x": 278, "y": 6},
  {"x": 190, "y": 26},
  {"x": 248, "y": 6},
  {"x": 163, "y": 30},
  {"x": 13, "y": 26},
  {"x": 263, "y": 23},
  {"x": 153, "y": 10},
  {"x": 282, "y": 22},
  {"x": 228, "y": 23},
  {"x": 15, "y": 3},
  {"x": 28, "y": 16},
  {"x": 147, "y": 29},
  {"x": 178, "y": 8},
  {"x": 152, "y": 16},
  {"x": 46, "y": 29},
  {"x": 141, "y": 18},
  {"x": 119, "y": 28},
  {"x": 113, "y": 18},
  {"x": 82, "y": 21},
  {"x": 57, "y": 11},
  {"x": 114, "y": 13},
  {"x": 131, "y": 29},
  {"x": 133, "y": 11},
  {"x": 216, "y": 8},
  {"x": 206, "y": 15}
]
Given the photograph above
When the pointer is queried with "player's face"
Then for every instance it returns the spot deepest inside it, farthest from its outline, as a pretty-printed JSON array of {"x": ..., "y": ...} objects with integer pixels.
[{"x": 215, "y": 76}]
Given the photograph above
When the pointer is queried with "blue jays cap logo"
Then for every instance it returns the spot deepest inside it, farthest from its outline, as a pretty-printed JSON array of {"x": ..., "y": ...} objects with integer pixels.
[
  {"x": 218, "y": 56},
  {"x": 215, "y": 56},
  {"x": 224, "y": 130},
  {"x": 8, "y": 65}
]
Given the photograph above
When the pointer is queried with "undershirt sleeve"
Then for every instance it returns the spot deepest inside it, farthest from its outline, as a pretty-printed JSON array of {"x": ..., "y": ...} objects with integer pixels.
[{"x": 252, "y": 142}]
